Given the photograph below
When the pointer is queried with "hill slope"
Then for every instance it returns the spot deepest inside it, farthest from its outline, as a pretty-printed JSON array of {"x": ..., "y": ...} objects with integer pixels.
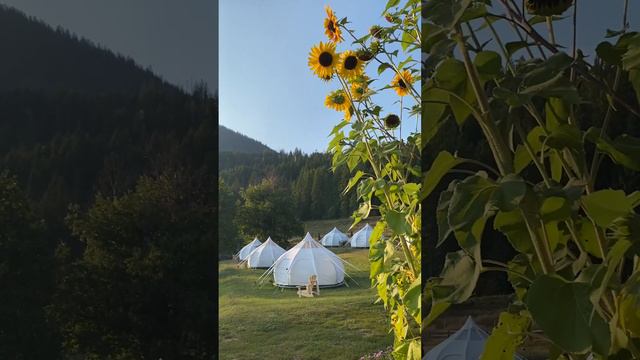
[
  {"x": 232, "y": 141},
  {"x": 35, "y": 56}
]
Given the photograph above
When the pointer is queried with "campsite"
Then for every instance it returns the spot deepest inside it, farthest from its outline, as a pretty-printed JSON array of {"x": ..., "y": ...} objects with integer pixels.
[{"x": 268, "y": 322}]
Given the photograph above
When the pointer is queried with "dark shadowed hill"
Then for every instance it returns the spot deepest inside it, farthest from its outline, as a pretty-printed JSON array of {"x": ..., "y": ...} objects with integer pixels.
[
  {"x": 36, "y": 56},
  {"x": 231, "y": 141}
]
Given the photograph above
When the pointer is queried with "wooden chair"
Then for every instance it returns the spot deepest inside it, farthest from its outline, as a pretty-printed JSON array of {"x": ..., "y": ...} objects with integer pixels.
[{"x": 308, "y": 290}]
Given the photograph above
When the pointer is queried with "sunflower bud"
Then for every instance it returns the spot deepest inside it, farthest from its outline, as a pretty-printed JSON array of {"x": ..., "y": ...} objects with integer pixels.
[
  {"x": 548, "y": 7},
  {"x": 392, "y": 121},
  {"x": 376, "y": 31},
  {"x": 390, "y": 18},
  {"x": 364, "y": 54},
  {"x": 374, "y": 47}
]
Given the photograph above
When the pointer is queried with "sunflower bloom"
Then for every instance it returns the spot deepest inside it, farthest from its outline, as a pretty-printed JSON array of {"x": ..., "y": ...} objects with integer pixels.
[
  {"x": 323, "y": 60},
  {"x": 337, "y": 100},
  {"x": 359, "y": 87},
  {"x": 401, "y": 82},
  {"x": 331, "y": 27},
  {"x": 349, "y": 66}
]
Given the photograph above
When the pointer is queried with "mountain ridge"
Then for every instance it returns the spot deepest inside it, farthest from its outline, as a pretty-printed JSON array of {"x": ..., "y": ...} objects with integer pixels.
[{"x": 232, "y": 141}]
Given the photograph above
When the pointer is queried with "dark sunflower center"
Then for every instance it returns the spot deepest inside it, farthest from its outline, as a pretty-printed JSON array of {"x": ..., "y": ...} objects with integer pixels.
[
  {"x": 350, "y": 62},
  {"x": 325, "y": 59},
  {"x": 338, "y": 99},
  {"x": 331, "y": 27},
  {"x": 402, "y": 84}
]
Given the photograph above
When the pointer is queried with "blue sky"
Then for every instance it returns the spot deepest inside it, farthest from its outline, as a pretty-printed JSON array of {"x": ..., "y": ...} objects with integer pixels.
[{"x": 267, "y": 90}]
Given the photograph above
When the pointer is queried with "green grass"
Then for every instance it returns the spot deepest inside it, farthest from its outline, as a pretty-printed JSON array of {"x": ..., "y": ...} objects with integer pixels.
[{"x": 270, "y": 323}]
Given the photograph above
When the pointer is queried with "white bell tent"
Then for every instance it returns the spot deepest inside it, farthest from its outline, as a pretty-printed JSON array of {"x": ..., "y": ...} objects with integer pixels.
[
  {"x": 306, "y": 258},
  {"x": 361, "y": 238},
  {"x": 465, "y": 344},
  {"x": 247, "y": 249},
  {"x": 265, "y": 255},
  {"x": 334, "y": 238}
]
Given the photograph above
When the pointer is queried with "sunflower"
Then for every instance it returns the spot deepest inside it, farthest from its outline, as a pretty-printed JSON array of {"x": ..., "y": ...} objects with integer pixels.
[
  {"x": 548, "y": 7},
  {"x": 337, "y": 100},
  {"x": 331, "y": 27},
  {"x": 359, "y": 87},
  {"x": 349, "y": 66},
  {"x": 323, "y": 60},
  {"x": 392, "y": 121},
  {"x": 401, "y": 82}
]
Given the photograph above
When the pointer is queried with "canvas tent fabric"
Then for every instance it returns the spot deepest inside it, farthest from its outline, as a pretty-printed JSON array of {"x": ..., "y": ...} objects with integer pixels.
[
  {"x": 247, "y": 249},
  {"x": 307, "y": 258},
  {"x": 465, "y": 344},
  {"x": 334, "y": 238},
  {"x": 265, "y": 255},
  {"x": 361, "y": 238}
]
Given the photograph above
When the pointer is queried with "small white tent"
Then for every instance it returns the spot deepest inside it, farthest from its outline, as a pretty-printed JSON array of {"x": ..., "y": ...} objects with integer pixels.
[
  {"x": 334, "y": 238},
  {"x": 307, "y": 258},
  {"x": 265, "y": 255},
  {"x": 247, "y": 249},
  {"x": 361, "y": 238},
  {"x": 465, "y": 344}
]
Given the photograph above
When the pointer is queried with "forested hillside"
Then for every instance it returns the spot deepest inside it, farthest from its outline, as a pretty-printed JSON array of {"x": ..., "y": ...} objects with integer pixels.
[
  {"x": 232, "y": 141},
  {"x": 107, "y": 203},
  {"x": 315, "y": 189}
]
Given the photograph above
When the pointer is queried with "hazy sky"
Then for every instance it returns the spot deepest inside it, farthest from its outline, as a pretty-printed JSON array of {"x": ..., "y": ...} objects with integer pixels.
[
  {"x": 178, "y": 39},
  {"x": 267, "y": 90}
]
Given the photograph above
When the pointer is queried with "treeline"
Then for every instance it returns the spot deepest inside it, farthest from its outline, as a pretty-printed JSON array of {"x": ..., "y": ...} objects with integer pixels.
[{"x": 316, "y": 191}]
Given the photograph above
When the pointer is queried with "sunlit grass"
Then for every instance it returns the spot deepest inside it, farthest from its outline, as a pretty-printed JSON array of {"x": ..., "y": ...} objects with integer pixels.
[{"x": 270, "y": 323}]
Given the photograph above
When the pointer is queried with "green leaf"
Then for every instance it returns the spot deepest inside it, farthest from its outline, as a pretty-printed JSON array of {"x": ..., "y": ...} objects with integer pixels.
[
  {"x": 434, "y": 105},
  {"x": 571, "y": 322},
  {"x": 509, "y": 193},
  {"x": 611, "y": 54},
  {"x": 512, "y": 225},
  {"x": 555, "y": 208},
  {"x": 514, "y": 46},
  {"x": 397, "y": 222},
  {"x": 415, "y": 350},
  {"x": 390, "y": 4},
  {"x": 521, "y": 159},
  {"x": 605, "y": 206},
  {"x": 624, "y": 150},
  {"x": 353, "y": 181},
  {"x": 565, "y": 136},
  {"x": 469, "y": 239},
  {"x": 489, "y": 65},
  {"x": 376, "y": 250},
  {"x": 445, "y": 13},
  {"x": 458, "y": 278},
  {"x": 442, "y": 215},
  {"x": 556, "y": 113},
  {"x": 382, "y": 67},
  {"x": 450, "y": 74},
  {"x": 587, "y": 237},
  {"x": 413, "y": 297},
  {"x": 507, "y": 336},
  {"x": 469, "y": 201},
  {"x": 441, "y": 165}
]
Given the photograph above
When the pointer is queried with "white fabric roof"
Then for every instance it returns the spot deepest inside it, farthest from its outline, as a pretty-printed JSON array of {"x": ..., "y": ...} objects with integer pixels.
[
  {"x": 247, "y": 249},
  {"x": 334, "y": 238},
  {"x": 307, "y": 258},
  {"x": 465, "y": 344},
  {"x": 361, "y": 238},
  {"x": 265, "y": 255}
]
